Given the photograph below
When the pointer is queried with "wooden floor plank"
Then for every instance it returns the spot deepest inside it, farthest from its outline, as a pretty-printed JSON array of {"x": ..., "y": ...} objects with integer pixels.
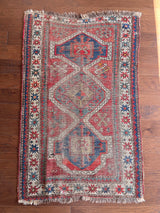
[
  {"x": 12, "y": 110},
  {"x": 7, "y": 80},
  {"x": 10, "y": 95},
  {"x": 3, "y": 37},
  {"x": 122, "y": 209},
  {"x": 10, "y": 52},
  {"x": 9, "y": 127},
  {"x": 49, "y": 209},
  {"x": 4, "y": 63},
  {"x": 9, "y": 143}
]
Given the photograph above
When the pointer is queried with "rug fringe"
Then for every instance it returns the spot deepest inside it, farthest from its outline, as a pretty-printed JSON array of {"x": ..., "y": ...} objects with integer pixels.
[
  {"x": 91, "y": 14},
  {"x": 113, "y": 200},
  {"x": 84, "y": 198}
]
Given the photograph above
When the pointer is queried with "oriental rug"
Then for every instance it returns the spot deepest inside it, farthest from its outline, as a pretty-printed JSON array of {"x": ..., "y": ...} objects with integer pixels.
[{"x": 80, "y": 132}]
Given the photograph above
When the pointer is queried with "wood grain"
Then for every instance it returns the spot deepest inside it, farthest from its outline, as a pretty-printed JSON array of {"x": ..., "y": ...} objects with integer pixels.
[
  {"x": 3, "y": 37},
  {"x": 11, "y": 26},
  {"x": 113, "y": 209},
  {"x": 36, "y": 209}
]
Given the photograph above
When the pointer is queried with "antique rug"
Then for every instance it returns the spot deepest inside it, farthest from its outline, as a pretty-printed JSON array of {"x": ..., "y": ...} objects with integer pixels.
[{"x": 80, "y": 132}]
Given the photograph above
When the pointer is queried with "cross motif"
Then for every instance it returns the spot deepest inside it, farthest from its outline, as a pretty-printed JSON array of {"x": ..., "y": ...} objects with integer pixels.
[{"x": 104, "y": 119}]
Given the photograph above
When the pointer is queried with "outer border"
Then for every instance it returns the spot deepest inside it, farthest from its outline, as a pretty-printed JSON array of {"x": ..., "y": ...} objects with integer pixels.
[
  {"x": 135, "y": 109},
  {"x": 24, "y": 97}
]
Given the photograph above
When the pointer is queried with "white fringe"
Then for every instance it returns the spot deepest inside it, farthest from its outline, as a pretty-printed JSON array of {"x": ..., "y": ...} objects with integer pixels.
[
  {"x": 123, "y": 200},
  {"x": 87, "y": 15}
]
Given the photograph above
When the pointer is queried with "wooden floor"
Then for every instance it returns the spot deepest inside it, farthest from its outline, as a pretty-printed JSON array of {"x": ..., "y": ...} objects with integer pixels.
[{"x": 11, "y": 23}]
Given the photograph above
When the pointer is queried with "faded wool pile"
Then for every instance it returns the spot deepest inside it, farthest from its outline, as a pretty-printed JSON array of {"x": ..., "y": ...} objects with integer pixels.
[{"x": 80, "y": 134}]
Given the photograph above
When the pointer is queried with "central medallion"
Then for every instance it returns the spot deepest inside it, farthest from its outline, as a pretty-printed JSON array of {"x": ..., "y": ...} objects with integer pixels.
[{"x": 80, "y": 94}]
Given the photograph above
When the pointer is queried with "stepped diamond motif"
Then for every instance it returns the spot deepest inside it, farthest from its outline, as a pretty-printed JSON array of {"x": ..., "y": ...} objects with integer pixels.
[{"x": 81, "y": 93}]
